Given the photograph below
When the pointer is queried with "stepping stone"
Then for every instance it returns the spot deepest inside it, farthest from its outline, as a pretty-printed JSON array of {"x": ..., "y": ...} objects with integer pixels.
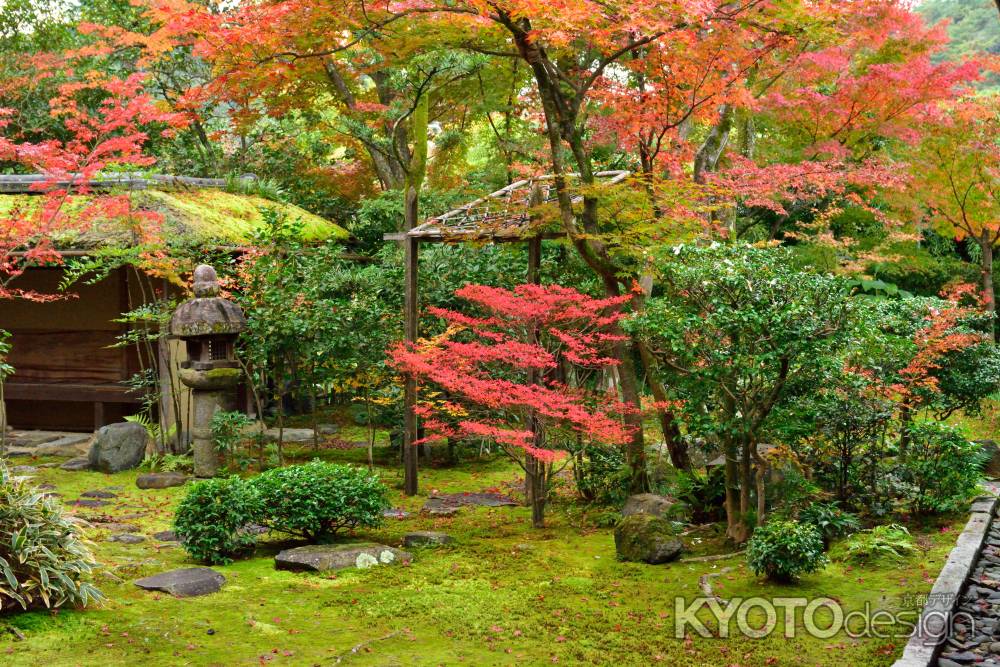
[
  {"x": 32, "y": 439},
  {"x": 46, "y": 487},
  {"x": 184, "y": 583},
  {"x": 328, "y": 429},
  {"x": 395, "y": 513},
  {"x": 161, "y": 480},
  {"x": 482, "y": 499},
  {"x": 423, "y": 538},
  {"x": 165, "y": 536},
  {"x": 289, "y": 435},
  {"x": 19, "y": 451},
  {"x": 82, "y": 502},
  {"x": 126, "y": 538},
  {"x": 440, "y": 511},
  {"x": 24, "y": 470},
  {"x": 77, "y": 464},
  {"x": 117, "y": 527},
  {"x": 324, "y": 557},
  {"x": 98, "y": 494}
]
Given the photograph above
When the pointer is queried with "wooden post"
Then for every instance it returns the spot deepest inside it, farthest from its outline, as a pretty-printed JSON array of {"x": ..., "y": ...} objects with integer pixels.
[
  {"x": 412, "y": 258},
  {"x": 534, "y": 483}
]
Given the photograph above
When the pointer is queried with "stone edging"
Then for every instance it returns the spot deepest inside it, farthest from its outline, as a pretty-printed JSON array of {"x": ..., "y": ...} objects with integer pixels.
[{"x": 927, "y": 639}]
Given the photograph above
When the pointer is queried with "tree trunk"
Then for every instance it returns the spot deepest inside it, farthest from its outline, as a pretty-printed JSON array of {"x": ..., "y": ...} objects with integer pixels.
[
  {"x": 989, "y": 298},
  {"x": 736, "y": 529},
  {"x": 679, "y": 456},
  {"x": 562, "y": 123}
]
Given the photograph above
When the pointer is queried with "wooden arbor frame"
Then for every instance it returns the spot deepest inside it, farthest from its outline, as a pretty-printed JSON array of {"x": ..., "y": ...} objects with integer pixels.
[{"x": 504, "y": 216}]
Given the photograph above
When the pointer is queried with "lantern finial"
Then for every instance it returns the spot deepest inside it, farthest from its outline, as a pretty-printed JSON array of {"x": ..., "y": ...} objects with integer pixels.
[{"x": 206, "y": 282}]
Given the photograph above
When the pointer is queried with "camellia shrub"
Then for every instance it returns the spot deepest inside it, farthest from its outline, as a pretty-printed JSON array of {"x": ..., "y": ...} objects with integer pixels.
[
  {"x": 43, "y": 560},
  {"x": 317, "y": 500},
  {"x": 213, "y": 518},
  {"x": 830, "y": 520},
  {"x": 785, "y": 550},
  {"x": 940, "y": 468}
]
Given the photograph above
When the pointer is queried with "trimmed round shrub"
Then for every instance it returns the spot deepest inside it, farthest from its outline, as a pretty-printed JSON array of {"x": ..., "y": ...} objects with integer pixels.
[
  {"x": 213, "y": 519},
  {"x": 785, "y": 550},
  {"x": 43, "y": 560},
  {"x": 317, "y": 500}
]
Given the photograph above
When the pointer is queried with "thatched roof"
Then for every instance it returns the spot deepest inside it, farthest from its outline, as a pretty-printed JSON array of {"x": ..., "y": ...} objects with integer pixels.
[{"x": 191, "y": 217}]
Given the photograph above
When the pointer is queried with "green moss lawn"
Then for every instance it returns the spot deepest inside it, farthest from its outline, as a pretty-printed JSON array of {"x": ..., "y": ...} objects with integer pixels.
[{"x": 503, "y": 594}]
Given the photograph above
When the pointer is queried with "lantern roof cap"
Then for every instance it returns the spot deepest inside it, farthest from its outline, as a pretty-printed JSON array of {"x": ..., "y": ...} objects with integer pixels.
[{"x": 208, "y": 314}]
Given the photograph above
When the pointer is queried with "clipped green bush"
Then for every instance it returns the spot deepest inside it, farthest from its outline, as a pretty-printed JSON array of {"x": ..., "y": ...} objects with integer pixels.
[
  {"x": 890, "y": 541},
  {"x": 785, "y": 550},
  {"x": 316, "y": 500},
  {"x": 212, "y": 519},
  {"x": 43, "y": 560}
]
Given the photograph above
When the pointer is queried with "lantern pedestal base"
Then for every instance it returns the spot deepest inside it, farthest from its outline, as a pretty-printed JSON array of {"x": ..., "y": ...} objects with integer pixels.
[{"x": 211, "y": 391}]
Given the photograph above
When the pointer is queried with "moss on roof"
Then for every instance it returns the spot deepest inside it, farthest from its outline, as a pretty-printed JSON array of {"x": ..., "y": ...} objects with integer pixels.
[{"x": 205, "y": 216}]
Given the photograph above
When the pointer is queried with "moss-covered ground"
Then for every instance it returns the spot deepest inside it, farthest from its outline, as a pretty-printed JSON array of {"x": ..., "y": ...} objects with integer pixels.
[{"x": 504, "y": 593}]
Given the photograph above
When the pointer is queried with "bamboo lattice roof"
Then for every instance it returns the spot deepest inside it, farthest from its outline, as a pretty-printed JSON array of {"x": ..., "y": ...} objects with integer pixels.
[{"x": 504, "y": 215}]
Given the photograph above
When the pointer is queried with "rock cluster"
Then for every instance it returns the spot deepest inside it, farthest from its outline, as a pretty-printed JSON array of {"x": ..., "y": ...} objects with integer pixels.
[{"x": 975, "y": 632}]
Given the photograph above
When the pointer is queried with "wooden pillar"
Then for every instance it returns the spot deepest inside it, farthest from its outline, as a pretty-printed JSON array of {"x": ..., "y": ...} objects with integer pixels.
[
  {"x": 534, "y": 260},
  {"x": 534, "y": 481},
  {"x": 412, "y": 261}
]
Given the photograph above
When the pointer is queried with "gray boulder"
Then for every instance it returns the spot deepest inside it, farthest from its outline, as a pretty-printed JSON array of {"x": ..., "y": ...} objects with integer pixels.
[
  {"x": 424, "y": 538},
  {"x": 118, "y": 447},
  {"x": 644, "y": 538},
  {"x": 323, "y": 557},
  {"x": 663, "y": 507},
  {"x": 184, "y": 583},
  {"x": 161, "y": 480},
  {"x": 127, "y": 538}
]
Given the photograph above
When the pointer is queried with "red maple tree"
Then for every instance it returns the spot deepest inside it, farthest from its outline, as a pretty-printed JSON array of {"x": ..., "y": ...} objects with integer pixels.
[
  {"x": 521, "y": 375},
  {"x": 109, "y": 135}
]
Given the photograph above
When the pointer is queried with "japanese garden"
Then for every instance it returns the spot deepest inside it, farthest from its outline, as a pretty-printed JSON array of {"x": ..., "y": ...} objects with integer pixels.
[{"x": 499, "y": 332}]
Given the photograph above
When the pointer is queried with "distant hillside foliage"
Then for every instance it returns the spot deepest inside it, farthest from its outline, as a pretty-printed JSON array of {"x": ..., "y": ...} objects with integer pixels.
[{"x": 974, "y": 28}]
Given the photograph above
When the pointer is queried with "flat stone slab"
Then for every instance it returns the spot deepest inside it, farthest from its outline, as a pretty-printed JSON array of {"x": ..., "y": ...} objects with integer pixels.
[
  {"x": 127, "y": 538},
  {"x": 98, "y": 494},
  {"x": 395, "y": 513},
  {"x": 289, "y": 435},
  {"x": 77, "y": 464},
  {"x": 24, "y": 470},
  {"x": 324, "y": 557},
  {"x": 70, "y": 445},
  {"x": 423, "y": 538},
  {"x": 165, "y": 536},
  {"x": 33, "y": 439},
  {"x": 161, "y": 480},
  {"x": 184, "y": 583}
]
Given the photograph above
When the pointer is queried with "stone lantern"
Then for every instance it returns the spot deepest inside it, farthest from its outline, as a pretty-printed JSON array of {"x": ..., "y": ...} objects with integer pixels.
[{"x": 208, "y": 325}]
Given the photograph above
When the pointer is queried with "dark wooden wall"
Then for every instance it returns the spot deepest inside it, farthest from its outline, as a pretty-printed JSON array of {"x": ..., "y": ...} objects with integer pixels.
[{"x": 67, "y": 374}]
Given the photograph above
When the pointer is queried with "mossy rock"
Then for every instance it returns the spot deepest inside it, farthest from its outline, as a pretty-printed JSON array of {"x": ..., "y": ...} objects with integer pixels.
[{"x": 644, "y": 538}]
